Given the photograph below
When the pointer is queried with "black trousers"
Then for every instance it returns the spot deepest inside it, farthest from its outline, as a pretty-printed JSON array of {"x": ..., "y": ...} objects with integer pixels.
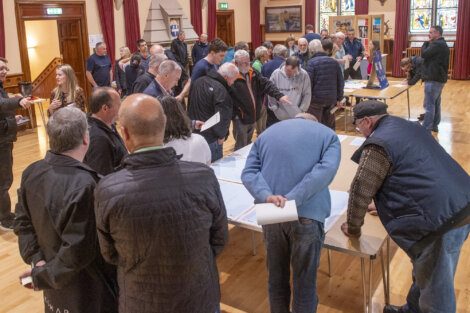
[{"x": 6, "y": 178}]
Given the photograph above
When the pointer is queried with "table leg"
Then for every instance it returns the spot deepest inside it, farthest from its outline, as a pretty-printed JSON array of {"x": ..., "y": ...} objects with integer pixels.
[
  {"x": 329, "y": 262},
  {"x": 253, "y": 241},
  {"x": 41, "y": 110},
  {"x": 388, "y": 269},
  {"x": 363, "y": 272},
  {"x": 371, "y": 268},
  {"x": 408, "y": 97},
  {"x": 384, "y": 277}
]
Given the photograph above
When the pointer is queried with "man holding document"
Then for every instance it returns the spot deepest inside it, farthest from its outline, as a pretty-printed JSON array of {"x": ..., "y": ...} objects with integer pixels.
[{"x": 295, "y": 159}]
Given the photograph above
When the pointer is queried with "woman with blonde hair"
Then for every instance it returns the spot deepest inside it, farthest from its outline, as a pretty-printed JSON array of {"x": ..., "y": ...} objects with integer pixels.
[
  {"x": 292, "y": 48},
  {"x": 119, "y": 74},
  {"x": 67, "y": 91}
]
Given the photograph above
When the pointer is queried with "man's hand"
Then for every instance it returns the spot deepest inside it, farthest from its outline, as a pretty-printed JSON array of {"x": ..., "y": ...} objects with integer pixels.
[
  {"x": 358, "y": 59},
  {"x": 25, "y": 103},
  {"x": 285, "y": 100},
  {"x": 28, "y": 273},
  {"x": 344, "y": 229},
  {"x": 277, "y": 200},
  {"x": 372, "y": 209},
  {"x": 198, "y": 124}
]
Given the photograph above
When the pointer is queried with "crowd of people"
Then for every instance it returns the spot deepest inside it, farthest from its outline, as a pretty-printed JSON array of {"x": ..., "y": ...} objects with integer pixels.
[{"x": 132, "y": 220}]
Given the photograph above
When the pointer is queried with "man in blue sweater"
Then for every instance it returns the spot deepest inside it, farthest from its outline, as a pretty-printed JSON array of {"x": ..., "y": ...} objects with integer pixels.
[{"x": 295, "y": 159}]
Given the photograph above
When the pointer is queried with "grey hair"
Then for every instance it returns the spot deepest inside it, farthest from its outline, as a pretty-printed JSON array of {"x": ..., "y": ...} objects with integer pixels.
[
  {"x": 315, "y": 46},
  {"x": 280, "y": 50},
  {"x": 302, "y": 39},
  {"x": 228, "y": 70},
  {"x": 260, "y": 51},
  {"x": 240, "y": 54},
  {"x": 340, "y": 35},
  {"x": 66, "y": 129},
  {"x": 156, "y": 60},
  {"x": 306, "y": 116},
  {"x": 168, "y": 66}
]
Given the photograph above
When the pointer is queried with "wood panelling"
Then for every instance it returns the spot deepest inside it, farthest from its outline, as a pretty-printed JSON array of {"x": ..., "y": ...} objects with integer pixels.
[
  {"x": 36, "y": 10},
  {"x": 45, "y": 82}
]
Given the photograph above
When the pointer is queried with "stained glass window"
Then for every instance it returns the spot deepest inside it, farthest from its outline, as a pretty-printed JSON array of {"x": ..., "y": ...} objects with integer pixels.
[
  {"x": 425, "y": 13},
  {"x": 334, "y": 8}
]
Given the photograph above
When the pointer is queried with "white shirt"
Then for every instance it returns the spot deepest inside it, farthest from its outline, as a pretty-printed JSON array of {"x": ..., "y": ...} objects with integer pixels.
[{"x": 194, "y": 149}]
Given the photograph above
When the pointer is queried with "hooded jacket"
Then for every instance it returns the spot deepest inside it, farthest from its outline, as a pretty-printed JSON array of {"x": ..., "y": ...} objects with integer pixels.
[
  {"x": 247, "y": 111},
  {"x": 297, "y": 88},
  {"x": 436, "y": 60}
]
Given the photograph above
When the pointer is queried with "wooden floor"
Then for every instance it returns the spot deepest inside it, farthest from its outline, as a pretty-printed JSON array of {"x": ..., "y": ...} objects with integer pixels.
[{"x": 242, "y": 275}]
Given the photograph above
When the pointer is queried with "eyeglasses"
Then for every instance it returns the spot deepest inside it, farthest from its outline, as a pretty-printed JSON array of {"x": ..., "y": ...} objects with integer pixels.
[
  {"x": 358, "y": 121},
  {"x": 4, "y": 68}
]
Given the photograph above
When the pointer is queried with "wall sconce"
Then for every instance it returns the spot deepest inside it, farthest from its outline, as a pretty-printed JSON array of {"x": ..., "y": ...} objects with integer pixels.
[{"x": 31, "y": 42}]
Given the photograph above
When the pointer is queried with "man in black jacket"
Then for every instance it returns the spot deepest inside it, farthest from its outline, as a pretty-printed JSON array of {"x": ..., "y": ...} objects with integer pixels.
[
  {"x": 210, "y": 95},
  {"x": 162, "y": 221},
  {"x": 106, "y": 146},
  {"x": 55, "y": 223},
  {"x": 327, "y": 82},
  {"x": 179, "y": 48},
  {"x": 248, "y": 92},
  {"x": 435, "y": 53},
  {"x": 8, "y": 107}
]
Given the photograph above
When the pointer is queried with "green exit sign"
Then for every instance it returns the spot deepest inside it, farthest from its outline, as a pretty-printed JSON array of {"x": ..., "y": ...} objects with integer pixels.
[
  {"x": 223, "y": 6},
  {"x": 54, "y": 11}
]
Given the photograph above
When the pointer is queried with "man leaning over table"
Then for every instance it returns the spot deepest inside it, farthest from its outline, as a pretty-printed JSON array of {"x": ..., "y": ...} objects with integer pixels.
[
  {"x": 295, "y": 159},
  {"x": 422, "y": 197}
]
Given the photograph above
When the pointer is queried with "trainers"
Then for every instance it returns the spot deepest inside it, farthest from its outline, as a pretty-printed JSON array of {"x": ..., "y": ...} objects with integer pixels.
[
  {"x": 393, "y": 309},
  {"x": 435, "y": 129},
  {"x": 421, "y": 117},
  {"x": 7, "y": 223}
]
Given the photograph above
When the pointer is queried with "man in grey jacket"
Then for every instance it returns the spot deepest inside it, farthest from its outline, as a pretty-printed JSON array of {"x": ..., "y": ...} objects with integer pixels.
[{"x": 294, "y": 82}]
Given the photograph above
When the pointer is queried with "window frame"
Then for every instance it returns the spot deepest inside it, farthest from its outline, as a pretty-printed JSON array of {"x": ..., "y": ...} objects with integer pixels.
[{"x": 434, "y": 11}]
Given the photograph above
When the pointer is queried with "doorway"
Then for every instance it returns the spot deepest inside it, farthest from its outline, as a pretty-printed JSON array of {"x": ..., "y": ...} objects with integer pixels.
[
  {"x": 66, "y": 31},
  {"x": 226, "y": 26}
]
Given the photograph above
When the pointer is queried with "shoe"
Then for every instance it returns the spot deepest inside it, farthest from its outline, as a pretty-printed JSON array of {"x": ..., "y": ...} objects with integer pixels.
[
  {"x": 7, "y": 223},
  {"x": 435, "y": 129},
  {"x": 421, "y": 117},
  {"x": 393, "y": 309}
]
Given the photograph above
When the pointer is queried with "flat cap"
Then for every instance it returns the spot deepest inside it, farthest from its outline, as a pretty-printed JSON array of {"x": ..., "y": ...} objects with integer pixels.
[{"x": 369, "y": 108}]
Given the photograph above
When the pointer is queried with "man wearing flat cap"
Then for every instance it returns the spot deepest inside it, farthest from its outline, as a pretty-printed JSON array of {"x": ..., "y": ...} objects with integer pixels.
[{"x": 422, "y": 197}]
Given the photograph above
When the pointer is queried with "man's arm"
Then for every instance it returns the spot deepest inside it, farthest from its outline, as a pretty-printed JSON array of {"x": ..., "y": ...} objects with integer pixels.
[
  {"x": 252, "y": 177},
  {"x": 371, "y": 173},
  {"x": 27, "y": 240},
  {"x": 79, "y": 244},
  {"x": 339, "y": 83},
  {"x": 223, "y": 105},
  {"x": 90, "y": 78},
  {"x": 306, "y": 94},
  {"x": 320, "y": 175},
  {"x": 267, "y": 87},
  {"x": 9, "y": 105}
]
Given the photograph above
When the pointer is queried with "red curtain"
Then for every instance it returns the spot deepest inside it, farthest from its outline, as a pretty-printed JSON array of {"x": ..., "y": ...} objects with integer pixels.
[
  {"x": 255, "y": 22},
  {"x": 196, "y": 15},
  {"x": 310, "y": 12},
  {"x": 132, "y": 23},
  {"x": 402, "y": 23},
  {"x": 2, "y": 31},
  {"x": 106, "y": 13},
  {"x": 462, "y": 42},
  {"x": 211, "y": 19},
  {"x": 362, "y": 7}
]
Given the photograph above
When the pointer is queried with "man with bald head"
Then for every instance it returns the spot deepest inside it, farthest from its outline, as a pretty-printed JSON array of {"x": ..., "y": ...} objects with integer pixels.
[{"x": 157, "y": 222}]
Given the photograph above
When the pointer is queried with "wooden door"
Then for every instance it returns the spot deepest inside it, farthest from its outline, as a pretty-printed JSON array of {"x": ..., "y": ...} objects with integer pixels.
[
  {"x": 226, "y": 27},
  {"x": 71, "y": 48}
]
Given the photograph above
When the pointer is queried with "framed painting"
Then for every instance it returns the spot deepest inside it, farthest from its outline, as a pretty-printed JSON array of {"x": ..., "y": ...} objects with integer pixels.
[{"x": 287, "y": 19}]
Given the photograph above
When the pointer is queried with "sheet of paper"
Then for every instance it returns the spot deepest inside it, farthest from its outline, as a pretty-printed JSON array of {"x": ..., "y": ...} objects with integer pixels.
[
  {"x": 211, "y": 122},
  {"x": 358, "y": 141},
  {"x": 268, "y": 213},
  {"x": 356, "y": 65},
  {"x": 342, "y": 137},
  {"x": 229, "y": 168},
  {"x": 346, "y": 64},
  {"x": 339, "y": 205},
  {"x": 348, "y": 90},
  {"x": 26, "y": 280},
  {"x": 236, "y": 198}
]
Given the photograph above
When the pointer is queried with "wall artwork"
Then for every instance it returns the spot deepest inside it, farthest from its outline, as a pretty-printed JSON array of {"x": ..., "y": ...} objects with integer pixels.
[
  {"x": 343, "y": 23},
  {"x": 283, "y": 19}
]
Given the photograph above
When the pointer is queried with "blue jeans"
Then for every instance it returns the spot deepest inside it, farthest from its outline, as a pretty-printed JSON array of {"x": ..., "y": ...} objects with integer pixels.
[
  {"x": 217, "y": 151},
  {"x": 432, "y": 290},
  {"x": 432, "y": 104},
  {"x": 298, "y": 245}
]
